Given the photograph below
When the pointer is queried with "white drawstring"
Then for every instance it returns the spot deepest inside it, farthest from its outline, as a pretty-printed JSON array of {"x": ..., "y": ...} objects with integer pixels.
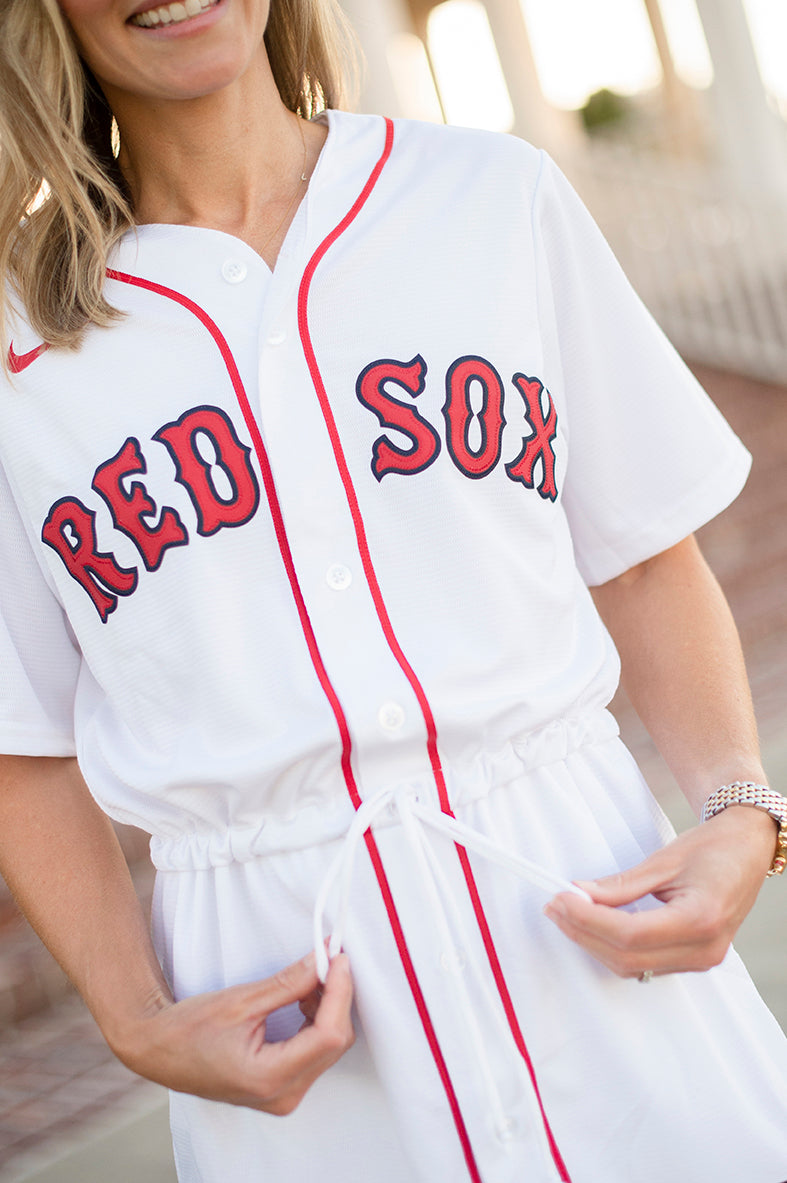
[
  {"x": 409, "y": 807},
  {"x": 439, "y": 900}
]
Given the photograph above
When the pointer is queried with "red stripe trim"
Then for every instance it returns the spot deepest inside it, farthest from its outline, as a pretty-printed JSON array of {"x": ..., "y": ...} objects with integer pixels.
[
  {"x": 390, "y": 636},
  {"x": 508, "y": 1007},
  {"x": 423, "y": 1013},
  {"x": 275, "y": 510},
  {"x": 360, "y": 532},
  {"x": 330, "y": 693}
]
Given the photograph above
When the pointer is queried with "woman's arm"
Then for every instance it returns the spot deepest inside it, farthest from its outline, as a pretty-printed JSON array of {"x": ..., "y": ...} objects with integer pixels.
[
  {"x": 61, "y": 859},
  {"x": 684, "y": 672}
]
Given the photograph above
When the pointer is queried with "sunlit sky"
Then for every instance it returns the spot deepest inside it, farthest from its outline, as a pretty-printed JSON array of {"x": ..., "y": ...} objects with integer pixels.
[{"x": 580, "y": 46}]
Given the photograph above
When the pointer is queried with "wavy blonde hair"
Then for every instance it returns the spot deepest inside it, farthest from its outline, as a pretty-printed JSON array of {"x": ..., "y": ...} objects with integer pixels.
[{"x": 63, "y": 199}]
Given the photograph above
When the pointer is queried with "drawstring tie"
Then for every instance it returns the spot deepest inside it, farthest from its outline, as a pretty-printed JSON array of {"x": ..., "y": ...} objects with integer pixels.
[{"x": 439, "y": 900}]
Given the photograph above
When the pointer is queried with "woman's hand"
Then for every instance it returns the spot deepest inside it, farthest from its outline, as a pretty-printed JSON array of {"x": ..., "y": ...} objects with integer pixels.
[
  {"x": 214, "y": 1046},
  {"x": 61, "y": 857},
  {"x": 707, "y": 878}
]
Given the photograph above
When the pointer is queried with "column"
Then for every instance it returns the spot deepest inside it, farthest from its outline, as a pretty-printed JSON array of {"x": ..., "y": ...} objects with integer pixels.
[
  {"x": 377, "y": 23},
  {"x": 752, "y": 139},
  {"x": 680, "y": 110},
  {"x": 419, "y": 12},
  {"x": 534, "y": 118}
]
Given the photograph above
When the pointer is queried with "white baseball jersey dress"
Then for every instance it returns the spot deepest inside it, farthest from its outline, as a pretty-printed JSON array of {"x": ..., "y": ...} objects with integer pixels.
[{"x": 297, "y": 564}]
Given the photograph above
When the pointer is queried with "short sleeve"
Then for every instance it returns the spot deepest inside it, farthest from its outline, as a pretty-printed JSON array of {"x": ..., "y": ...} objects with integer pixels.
[
  {"x": 650, "y": 458},
  {"x": 39, "y": 661}
]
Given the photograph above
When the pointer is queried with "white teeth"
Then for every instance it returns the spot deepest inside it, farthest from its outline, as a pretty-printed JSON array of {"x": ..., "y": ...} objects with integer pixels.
[{"x": 171, "y": 14}]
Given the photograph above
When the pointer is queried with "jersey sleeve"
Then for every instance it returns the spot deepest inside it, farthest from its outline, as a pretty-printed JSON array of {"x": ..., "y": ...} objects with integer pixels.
[
  {"x": 650, "y": 458},
  {"x": 39, "y": 660}
]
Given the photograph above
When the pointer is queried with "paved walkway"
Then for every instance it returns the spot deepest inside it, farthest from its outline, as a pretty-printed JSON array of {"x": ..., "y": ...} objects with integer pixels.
[
  {"x": 133, "y": 1149},
  {"x": 69, "y": 1113}
]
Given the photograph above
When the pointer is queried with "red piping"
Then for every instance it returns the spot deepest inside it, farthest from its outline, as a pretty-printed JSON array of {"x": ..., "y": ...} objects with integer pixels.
[
  {"x": 390, "y": 636},
  {"x": 330, "y": 693},
  {"x": 275, "y": 510}
]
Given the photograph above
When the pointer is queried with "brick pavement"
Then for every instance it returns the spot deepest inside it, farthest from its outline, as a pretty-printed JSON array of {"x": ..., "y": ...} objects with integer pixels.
[{"x": 56, "y": 1074}]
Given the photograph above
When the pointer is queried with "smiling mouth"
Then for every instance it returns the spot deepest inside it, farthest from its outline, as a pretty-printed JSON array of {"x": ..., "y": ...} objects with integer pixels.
[{"x": 171, "y": 14}]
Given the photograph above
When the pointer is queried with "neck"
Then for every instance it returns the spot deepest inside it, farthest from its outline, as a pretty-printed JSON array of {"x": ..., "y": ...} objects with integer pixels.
[{"x": 230, "y": 161}]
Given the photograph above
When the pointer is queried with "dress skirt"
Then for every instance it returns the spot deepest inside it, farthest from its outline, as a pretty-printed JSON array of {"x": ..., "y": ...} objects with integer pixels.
[{"x": 593, "y": 1078}]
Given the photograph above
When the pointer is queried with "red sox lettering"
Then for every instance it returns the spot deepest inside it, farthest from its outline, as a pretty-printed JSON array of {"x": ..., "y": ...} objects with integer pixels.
[
  {"x": 194, "y": 472},
  {"x": 215, "y": 468},
  {"x": 539, "y": 444},
  {"x": 373, "y": 391},
  {"x": 392, "y": 412},
  {"x": 129, "y": 508},
  {"x": 458, "y": 415},
  {"x": 70, "y": 528}
]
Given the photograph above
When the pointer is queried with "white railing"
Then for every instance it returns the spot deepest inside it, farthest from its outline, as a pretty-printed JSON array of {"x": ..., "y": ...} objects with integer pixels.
[{"x": 710, "y": 264}]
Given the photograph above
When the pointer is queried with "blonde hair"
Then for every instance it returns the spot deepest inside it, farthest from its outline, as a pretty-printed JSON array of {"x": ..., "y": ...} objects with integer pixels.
[{"x": 63, "y": 199}]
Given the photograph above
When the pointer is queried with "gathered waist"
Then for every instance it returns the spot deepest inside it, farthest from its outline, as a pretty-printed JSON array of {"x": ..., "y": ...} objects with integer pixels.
[{"x": 321, "y": 821}]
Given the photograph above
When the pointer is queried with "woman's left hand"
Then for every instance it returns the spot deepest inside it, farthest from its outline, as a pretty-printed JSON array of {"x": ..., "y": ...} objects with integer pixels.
[{"x": 707, "y": 878}]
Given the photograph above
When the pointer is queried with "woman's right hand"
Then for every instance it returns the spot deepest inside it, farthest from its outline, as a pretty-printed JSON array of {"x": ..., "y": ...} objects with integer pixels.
[
  {"x": 61, "y": 858},
  {"x": 214, "y": 1046}
]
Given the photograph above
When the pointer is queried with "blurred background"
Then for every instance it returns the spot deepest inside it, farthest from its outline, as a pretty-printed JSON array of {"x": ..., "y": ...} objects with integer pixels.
[
  {"x": 668, "y": 115},
  {"x": 669, "y": 118}
]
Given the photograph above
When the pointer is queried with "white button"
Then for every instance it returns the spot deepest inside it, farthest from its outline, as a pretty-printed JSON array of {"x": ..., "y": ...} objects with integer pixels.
[
  {"x": 453, "y": 961},
  {"x": 506, "y": 1130},
  {"x": 338, "y": 577},
  {"x": 234, "y": 271},
  {"x": 277, "y": 337},
  {"x": 391, "y": 716}
]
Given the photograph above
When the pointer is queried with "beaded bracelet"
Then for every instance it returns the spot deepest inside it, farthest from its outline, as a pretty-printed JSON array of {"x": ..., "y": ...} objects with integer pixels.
[{"x": 746, "y": 792}]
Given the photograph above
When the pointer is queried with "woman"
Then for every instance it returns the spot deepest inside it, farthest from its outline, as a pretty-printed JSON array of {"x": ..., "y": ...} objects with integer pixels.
[{"x": 314, "y": 434}]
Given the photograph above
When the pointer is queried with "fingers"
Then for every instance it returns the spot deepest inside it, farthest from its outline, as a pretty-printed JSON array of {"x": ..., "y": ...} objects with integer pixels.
[
  {"x": 651, "y": 876},
  {"x": 292, "y": 984},
  {"x": 213, "y": 1045},
  {"x": 690, "y": 932},
  {"x": 707, "y": 879},
  {"x": 670, "y": 939},
  {"x": 330, "y": 1032},
  {"x": 308, "y": 1005},
  {"x": 291, "y": 1067},
  {"x": 337, "y": 996},
  {"x": 328, "y": 1006}
]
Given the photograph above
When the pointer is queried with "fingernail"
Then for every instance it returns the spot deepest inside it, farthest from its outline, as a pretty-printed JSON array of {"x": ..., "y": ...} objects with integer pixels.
[
  {"x": 554, "y": 911},
  {"x": 309, "y": 961}
]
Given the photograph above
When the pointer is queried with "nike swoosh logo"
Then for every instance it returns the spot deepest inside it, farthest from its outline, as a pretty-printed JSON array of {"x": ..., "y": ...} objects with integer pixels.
[{"x": 20, "y": 361}]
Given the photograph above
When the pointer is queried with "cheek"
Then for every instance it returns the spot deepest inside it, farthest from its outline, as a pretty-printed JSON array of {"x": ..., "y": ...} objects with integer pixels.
[
  {"x": 76, "y": 11},
  {"x": 99, "y": 30},
  {"x": 89, "y": 19}
]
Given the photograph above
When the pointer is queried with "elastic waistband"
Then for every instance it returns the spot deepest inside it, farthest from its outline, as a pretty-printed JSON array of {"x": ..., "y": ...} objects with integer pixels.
[{"x": 316, "y": 824}]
